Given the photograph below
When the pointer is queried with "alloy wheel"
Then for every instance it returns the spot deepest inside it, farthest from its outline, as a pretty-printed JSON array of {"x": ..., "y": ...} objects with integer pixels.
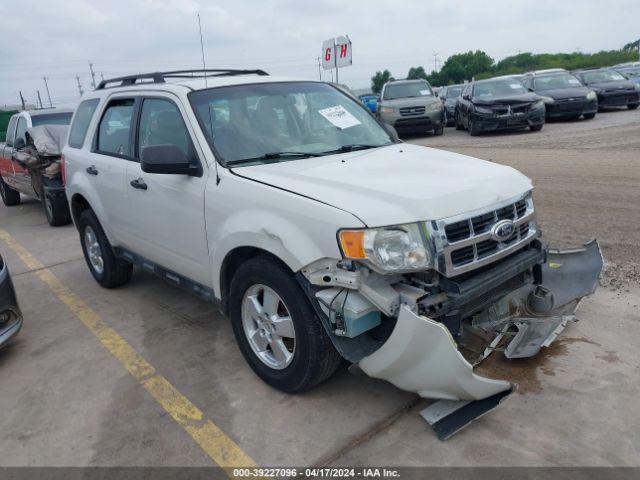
[{"x": 268, "y": 326}]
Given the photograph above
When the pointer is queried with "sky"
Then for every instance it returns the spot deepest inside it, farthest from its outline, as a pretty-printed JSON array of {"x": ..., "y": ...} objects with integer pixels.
[{"x": 58, "y": 38}]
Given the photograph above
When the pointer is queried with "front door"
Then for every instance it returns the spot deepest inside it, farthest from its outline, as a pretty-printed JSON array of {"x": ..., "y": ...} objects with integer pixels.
[
  {"x": 22, "y": 178},
  {"x": 165, "y": 221}
]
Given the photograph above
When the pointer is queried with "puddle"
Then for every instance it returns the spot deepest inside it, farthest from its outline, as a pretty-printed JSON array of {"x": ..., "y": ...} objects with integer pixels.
[{"x": 525, "y": 371}]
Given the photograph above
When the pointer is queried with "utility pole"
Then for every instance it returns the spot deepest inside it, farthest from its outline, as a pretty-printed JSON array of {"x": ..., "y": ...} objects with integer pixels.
[
  {"x": 79, "y": 86},
  {"x": 22, "y": 101},
  {"x": 46, "y": 85},
  {"x": 93, "y": 75},
  {"x": 102, "y": 76},
  {"x": 39, "y": 99},
  {"x": 319, "y": 68},
  {"x": 435, "y": 61}
]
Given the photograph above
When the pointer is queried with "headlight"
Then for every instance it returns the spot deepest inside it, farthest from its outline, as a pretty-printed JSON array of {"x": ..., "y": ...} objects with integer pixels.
[
  {"x": 638, "y": 86},
  {"x": 547, "y": 100},
  {"x": 393, "y": 249},
  {"x": 538, "y": 104},
  {"x": 387, "y": 109},
  {"x": 432, "y": 107},
  {"x": 591, "y": 95},
  {"x": 483, "y": 110}
]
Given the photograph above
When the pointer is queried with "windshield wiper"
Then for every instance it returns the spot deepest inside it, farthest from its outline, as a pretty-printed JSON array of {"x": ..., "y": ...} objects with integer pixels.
[
  {"x": 274, "y": 156},
  {"x": 353, "y": 148}
]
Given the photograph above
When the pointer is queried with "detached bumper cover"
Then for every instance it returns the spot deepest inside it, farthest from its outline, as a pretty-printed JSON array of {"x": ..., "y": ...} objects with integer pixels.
[{"x": 421, "y": 355}]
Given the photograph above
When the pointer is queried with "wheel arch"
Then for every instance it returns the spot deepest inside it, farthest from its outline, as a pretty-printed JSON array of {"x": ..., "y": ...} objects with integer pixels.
[{"x": 233, "y": 260}]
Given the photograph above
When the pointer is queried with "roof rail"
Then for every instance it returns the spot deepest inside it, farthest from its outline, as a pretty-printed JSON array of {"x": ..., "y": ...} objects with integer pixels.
[{"x": 159, "y": 77}]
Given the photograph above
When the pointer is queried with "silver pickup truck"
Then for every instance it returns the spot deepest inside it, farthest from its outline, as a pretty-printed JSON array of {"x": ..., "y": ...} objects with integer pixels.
[{"x": 30, "y": 161}]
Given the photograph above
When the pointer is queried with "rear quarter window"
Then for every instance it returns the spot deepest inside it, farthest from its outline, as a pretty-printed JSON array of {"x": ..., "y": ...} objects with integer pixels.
[
  {"x": 81, "y": 122},
  {"x": 63, "y": 118}
]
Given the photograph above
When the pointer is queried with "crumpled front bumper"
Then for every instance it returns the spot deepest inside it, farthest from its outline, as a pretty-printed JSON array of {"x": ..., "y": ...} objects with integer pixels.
[{"x": 422, "y": 356}]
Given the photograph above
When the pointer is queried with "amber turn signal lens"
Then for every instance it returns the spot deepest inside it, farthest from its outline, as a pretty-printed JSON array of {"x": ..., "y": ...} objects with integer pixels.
[{"x": 352, "y": 243}]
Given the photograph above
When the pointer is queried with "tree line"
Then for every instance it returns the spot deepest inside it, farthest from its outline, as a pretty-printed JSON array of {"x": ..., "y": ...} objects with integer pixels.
[{"x": 478, "y": 65}]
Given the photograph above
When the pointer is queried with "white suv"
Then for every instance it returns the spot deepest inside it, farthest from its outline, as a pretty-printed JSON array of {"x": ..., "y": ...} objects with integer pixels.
[{"x": 319, "y": 233}]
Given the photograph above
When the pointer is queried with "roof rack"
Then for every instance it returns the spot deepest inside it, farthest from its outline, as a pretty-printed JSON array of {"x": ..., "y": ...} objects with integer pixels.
[{"x": 159, "y": 77}]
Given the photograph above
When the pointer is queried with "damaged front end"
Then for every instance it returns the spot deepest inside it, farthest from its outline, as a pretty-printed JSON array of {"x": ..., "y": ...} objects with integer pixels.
[{"x": 425, "y": 331}]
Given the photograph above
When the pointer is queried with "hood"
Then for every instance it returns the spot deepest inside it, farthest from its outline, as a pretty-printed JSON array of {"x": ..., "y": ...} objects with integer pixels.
[
  {"x": 411, "y": 101},
  {"x": 451, "y": 101},
  {"x": 507, "y": 99},
  {"x": 562, "y": 93},
  {"x": 400, "y": 183},
  {"x": 617, "y": 85}
]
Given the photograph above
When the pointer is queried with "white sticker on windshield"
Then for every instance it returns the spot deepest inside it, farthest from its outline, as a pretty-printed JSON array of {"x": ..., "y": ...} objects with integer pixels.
[
  {"x": 339, "y": 116},
  {"x": 425, "y": 92},
  {"x": 515, "y": 86}
]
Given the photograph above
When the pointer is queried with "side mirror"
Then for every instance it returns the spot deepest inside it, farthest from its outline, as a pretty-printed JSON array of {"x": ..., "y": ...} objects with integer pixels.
[
  {"x": 166, "y": 159},
  {"x": 466, "y": 97},
  {"x": 393, "y": 133},
  {"x": 436, "y": 94},
  {"x": 19, "y": 143}
]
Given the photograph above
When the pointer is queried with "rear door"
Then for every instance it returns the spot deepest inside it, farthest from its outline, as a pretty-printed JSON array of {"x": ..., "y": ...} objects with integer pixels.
[
  {"x": 165, "y": 217},
  {"x": 105, "y": 164}
]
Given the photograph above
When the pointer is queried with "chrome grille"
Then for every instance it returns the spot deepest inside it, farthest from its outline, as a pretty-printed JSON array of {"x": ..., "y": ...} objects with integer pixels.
[
  {"x": 466, "y": 241},
  {"x": 406, "y": 111}
]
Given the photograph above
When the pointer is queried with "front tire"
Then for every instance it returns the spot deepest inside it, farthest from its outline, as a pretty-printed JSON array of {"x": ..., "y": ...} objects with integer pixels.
[
  {"x": 438, "y": 131},
  {"x": 632, "y": 106},
  {"x": 10, "y": 197},
  {"x": 56, "y": 209},
  {"x": 589, "y": 116},
  {"x": 536, "y": 128},
  {"x": 276, "y": 328},
  {"x": 473, "y": 130},
  {"x": 106, "y": 268}
]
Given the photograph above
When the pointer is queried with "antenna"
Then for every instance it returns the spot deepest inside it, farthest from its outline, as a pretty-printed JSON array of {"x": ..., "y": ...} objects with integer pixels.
[{"x": 204, "y": 63}]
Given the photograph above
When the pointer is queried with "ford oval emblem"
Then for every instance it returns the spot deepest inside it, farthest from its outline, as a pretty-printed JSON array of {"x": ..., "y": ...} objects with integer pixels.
[{"x": 503, "y": 230}]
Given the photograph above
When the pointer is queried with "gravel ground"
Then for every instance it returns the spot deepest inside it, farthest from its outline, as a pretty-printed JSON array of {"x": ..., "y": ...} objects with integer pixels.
[{"x": 587, "y": 182}]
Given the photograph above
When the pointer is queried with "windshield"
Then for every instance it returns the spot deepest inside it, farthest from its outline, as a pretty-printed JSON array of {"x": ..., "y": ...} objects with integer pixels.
[
  {"x": 630, "y": 71},
  {"x": 453, "y": 92},
  {"x": 267, "y": 122},
  {"x": 556, "y": 81},
  {"x": 602, "y": 76},
  {"x": 52, "y": 119},
  {"x": 496, "y": 88},
  {"x": 407, "y": 90}
]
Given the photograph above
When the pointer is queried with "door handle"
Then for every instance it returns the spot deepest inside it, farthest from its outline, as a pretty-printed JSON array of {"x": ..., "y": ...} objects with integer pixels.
[
  {"x": 139, "y": 184},
  {"x": 92, "y": 170}
]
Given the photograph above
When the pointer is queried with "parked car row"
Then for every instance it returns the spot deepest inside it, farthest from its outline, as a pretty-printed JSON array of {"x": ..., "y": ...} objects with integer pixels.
[{"x": 298, "y": 212}]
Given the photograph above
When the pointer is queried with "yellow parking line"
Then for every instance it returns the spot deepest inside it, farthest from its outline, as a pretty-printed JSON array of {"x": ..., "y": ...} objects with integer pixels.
[{"x": 222, "y": 449}]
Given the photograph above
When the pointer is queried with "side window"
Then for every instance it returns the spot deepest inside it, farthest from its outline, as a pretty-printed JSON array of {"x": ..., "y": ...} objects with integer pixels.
[
  {"x": 21, "y": 131},
  {"x": 115, "y": 127},
  {"x": 81, "y": 122},
  {"x": 11, "y": 130},
  {"x": 161, "y": 123}
]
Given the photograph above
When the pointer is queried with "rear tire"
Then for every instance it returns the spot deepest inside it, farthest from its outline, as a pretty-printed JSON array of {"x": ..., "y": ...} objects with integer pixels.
[
  {"x": 310, "y": 357},
  {"x": 632, "y": 106},
  {"x": 106, "y": 268},
  {"x": 589, "y": 116},
  {"x": 10, "y": 197}
]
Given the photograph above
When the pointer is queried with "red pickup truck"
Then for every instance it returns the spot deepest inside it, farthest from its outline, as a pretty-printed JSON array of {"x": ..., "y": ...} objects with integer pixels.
[{"x": 30, "y": 161}]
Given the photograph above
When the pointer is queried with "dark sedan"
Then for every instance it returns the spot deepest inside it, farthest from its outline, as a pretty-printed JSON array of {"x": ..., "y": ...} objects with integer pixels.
[
  {"x": 449, "y": 96},
  {"x": 563, "y": 95},
  {"x": 612, "y": 88},
  {"x": 10, "y": 315},
  {"x": 498, "y": 104}
]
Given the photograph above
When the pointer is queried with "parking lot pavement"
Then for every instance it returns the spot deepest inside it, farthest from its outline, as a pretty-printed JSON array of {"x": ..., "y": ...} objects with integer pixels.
[{"x": 67, "y": 401}]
